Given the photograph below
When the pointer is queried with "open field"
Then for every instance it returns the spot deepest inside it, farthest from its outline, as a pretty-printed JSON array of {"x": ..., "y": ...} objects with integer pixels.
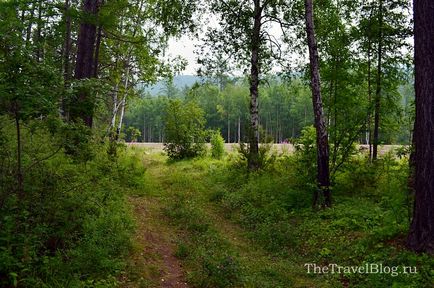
[{"x": 280, "y": 148}]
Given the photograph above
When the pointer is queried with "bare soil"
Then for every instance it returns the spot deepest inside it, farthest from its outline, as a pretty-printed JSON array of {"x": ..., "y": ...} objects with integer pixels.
[{"x": 152, "y": 262}]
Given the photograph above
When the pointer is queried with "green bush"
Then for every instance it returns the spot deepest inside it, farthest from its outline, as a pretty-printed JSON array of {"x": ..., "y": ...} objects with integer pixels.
[
  {"x": 133, "y": 134},
  {"x": 265, "y": 157},
  {"x": 217, "y": 145},
  {"x": 305, "y": 152},
  {"x": 184, "y": 130},
  {"x": 72, "y": 226}
]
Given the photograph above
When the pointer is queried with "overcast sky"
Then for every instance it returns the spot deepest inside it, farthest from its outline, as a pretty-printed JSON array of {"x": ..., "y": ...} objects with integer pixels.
[{"x": 184, "y": 47}]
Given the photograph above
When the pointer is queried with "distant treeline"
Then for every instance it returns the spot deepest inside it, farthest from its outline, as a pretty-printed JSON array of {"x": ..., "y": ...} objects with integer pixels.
[{"x": 285, "y": 109}]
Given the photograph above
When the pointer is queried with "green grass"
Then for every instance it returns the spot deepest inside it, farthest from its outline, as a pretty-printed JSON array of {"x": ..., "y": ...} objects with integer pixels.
[{"x": 258, "y": 230}]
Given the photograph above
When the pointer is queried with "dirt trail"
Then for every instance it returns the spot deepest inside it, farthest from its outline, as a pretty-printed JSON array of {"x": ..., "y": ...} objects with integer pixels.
[
  {"x": 152, "y": 262},
  {"x": 156, "y": 239}
]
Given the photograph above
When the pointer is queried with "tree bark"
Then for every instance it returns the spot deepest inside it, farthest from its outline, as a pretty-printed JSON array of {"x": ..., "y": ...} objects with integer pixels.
[
  {"x": 39, "y": 45},
  {"x": 378, "y": 92},
  {"x": 20, "y": 176},
  {"x": 323, "y": 177},
  {"x": 229, "y": 130},
  {"x": 123, "y": 103},
  {"x": 253, "y": 162},
  {"x": 84, "y": 105},
  {"x": 29, "y": 25},
  {"x": 66, "y": 56},
  {"x": 239, "y": 130},
  {"x": 369, "y": 128},
  {"x": 421, "y": 235}
]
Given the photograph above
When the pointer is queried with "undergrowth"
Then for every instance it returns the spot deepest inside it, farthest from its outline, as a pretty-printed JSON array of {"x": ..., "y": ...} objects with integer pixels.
[
  {"x": 71, "y": 227},
  {"x": 366, "y": 225}
]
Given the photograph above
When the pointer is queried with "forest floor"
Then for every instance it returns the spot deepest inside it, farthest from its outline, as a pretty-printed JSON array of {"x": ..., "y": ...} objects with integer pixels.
[
  {"x": 203, "y": 223},
  {"x": 156, "y": 259},
  {"x": 152, "y": 262}
]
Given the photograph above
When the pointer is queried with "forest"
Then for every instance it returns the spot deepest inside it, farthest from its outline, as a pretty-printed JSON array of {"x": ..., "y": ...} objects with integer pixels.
[{"x": 302, "y": 156}]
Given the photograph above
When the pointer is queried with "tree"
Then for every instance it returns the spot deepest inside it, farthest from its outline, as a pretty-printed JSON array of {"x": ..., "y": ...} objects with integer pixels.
[
  {"x": 242, "y": 39},
  {"x": 323, "y": 176},
  {"x": 383, "y": 31},
  {"x": 28, "y": 85},
  {"x": 184, "y": 130},
  {"x": 421, "y": 235},
  {"x": 83, "y": 105}
]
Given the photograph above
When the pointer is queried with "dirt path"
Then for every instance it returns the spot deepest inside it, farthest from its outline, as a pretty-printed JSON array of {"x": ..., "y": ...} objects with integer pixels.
[{"x": 153, "y": 262}]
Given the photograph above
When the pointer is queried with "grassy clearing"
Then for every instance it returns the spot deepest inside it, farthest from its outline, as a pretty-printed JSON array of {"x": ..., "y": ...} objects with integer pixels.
[{"x": 258, "y": 230}]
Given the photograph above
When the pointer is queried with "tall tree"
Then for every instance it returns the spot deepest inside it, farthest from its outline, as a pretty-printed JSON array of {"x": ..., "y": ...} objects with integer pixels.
[
  {"x": 83, "y": 106},
  {"x": 243, "y": 38},
  {"x": 254, "y": 84},
  {"x": 377, "y": 100},
  {"x": 383, "y": 31},
  {"x": 421, "y": 235},
  {"x": 323, "y": 176}
]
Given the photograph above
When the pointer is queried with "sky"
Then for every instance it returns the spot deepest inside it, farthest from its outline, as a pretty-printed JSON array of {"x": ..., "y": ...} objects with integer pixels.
[{"x": 184, "y": 47}]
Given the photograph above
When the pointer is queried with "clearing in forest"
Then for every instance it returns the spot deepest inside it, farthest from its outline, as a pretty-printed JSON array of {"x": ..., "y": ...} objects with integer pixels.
[{"x": 209, "y": 223}]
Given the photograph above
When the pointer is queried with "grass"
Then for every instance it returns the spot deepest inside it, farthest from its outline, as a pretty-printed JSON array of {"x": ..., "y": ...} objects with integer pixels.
[{"x": 239, "y": 230}]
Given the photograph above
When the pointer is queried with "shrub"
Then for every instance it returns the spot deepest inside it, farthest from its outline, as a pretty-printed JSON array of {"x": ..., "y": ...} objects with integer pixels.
[
  {"x": 305, "y": 152},
  {"x": 265, "y": 156},
  {"x": 133, "y": 134},
  {"x": 72, "y": 225},
  {"x": 217, "y": 145},
  {"x": 184, "y": 130}
]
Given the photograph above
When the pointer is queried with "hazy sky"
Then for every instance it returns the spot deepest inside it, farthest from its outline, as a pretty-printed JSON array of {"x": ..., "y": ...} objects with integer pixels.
[{"x": 185, "y": 47}]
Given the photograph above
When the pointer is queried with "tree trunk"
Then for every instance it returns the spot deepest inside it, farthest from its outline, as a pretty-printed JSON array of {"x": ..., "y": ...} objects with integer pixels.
[
  {"x": 123, "y": 103},
  {"x": 29, "y": 26},
  {"x": 144, "y": 130},
  {"x": 239, "y": 130},
  {"x": 323, "y": 176},
  {"x": 38, "y": 54},
  {"x": 84, "y": 105},
  {"x": 96, "y": 56},
  {"x": 66, "y": 56},
  {"x": 253, "y": 163},
  {"x": 421, "y": 235},
  {"x": 369, "y": 128},
  {"x": 20, "y": 177},
  {"x": 229, "y": 130},
  {"x": 378, "y": 92}
]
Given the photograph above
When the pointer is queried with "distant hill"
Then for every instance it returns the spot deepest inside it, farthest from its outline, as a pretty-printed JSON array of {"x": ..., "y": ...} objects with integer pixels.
[{"x": 180, "y": 82}]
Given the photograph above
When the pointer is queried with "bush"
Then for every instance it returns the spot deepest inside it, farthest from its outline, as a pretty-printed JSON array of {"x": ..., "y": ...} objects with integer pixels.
[
  {"x": 184, "y": 130},
  {"x": 133, "y": 134},
  {"x": 72, "y": 225},
  {"x": 265, "y": 158},
  {"x": 217, "y": 145},
  {"x": 305, "y": 152}
]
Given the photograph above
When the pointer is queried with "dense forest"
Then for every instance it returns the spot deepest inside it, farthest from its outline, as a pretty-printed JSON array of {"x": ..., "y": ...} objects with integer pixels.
[
  {"x": 326, "y": 178},
  {"x": 286, "y": 109}
]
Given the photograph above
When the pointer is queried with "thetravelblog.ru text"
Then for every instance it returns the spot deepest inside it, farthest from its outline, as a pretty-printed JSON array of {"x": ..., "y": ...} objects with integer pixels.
[{"x": 368, "y": 268}]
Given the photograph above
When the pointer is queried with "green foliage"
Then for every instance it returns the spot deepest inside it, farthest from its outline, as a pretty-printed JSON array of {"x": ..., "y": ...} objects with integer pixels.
[
  {"x": 72, "y": 226},
  {"x": 210, "y": 257},
  {"x": 305, "y": 153},
  {"x": 367, "y": 225},
  {"x": 184, "y": 130},
  {"x": 265, "y": 156},
  {"x": 133, "y": 134},
  {"x": 217, "y": 145}
]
